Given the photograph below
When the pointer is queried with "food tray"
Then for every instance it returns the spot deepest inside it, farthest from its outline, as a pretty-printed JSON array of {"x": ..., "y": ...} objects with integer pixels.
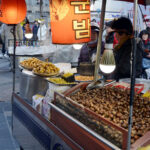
[
  {"x": 98, "y": 124},
  {"x": 84, "y": 80},
  {"x": 69, "y": 84},
  {"x": 90, "y": 118},
  {"x": 45, "y": 74},
  {"x": 94, "y": 121},
  {"x": 78, "y": 132},
  {"x": 69, "y": 79},
  {"x": 76, "y": 110},
  {"x": 26, "y": 67}
]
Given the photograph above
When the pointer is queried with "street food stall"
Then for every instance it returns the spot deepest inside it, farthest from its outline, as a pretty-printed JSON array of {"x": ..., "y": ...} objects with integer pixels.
[
  {"x": 82, "y": 118},
  {"x": 74, "y": 115},
  {"x": 86, "y": 116}
]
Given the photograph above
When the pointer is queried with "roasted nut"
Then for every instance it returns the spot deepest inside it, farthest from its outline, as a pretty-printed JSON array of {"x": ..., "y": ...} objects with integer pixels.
[{"x": 113, "y": 104}]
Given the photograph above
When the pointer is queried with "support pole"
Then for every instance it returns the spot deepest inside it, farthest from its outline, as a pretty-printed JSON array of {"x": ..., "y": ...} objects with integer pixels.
[
  {"x": 100, "y": 39},
  {"x": 133, "y": 75},
  {"x": 14, "y": 71},
  {"x": 14, "y": 57},
  {"x": 41, "y": 4}
]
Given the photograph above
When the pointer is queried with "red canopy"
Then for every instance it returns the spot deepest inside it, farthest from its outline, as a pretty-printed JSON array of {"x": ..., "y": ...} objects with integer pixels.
[{"x": 143, "y": 2}]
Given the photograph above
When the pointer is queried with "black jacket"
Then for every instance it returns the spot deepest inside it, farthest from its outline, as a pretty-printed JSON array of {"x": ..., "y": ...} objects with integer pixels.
[{"x": 123, "y": 60}]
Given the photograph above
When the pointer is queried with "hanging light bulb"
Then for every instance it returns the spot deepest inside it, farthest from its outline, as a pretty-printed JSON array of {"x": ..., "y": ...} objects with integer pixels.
[
  {"x": 107, "y": 62},
  {"x": 77, "y": 46}
]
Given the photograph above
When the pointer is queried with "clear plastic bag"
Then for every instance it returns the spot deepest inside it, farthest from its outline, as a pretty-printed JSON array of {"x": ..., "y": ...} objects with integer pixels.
[{"x": 148, "y": 73}]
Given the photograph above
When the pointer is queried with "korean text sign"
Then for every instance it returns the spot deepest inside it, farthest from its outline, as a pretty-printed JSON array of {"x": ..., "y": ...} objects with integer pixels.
[{"x": 70, "y": 21}]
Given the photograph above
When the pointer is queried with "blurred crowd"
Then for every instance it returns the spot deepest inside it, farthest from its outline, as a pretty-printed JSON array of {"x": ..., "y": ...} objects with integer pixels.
[{"x": 37, "y": 31}]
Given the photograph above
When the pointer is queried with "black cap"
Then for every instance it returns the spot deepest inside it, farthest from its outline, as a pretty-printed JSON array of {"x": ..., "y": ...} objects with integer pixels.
[
  {"x": 109, "y": 23},
  {"x": 123, "y": 24},
  {"x": 94, "y": 26},
  {"x": 143, "y": 32}
]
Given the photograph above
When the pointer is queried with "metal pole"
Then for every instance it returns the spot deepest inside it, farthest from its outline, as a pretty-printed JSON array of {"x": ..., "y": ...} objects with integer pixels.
[
  {"x": 41, "y": 4},
  {"x": 14, "y": 71},
  {"x": 100, "y": 40},
  {"x": 14, "y": 57},
  {"x": 133, "y": 74}
]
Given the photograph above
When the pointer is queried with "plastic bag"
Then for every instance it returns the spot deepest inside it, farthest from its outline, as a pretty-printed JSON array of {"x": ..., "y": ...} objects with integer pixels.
[
  {"x": 148, "y": 73},
  {"x": 37, "y": 102},
  {"x": 46, "y": 106},
  {"x": 65, "y": 54}
]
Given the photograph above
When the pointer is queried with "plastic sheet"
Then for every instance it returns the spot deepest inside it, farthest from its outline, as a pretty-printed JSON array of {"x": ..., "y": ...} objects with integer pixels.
[{"x": 66, "y": 54}]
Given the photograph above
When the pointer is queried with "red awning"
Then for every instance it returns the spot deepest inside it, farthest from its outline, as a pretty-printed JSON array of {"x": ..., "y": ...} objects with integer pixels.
[{"x": 143, "y": 2}]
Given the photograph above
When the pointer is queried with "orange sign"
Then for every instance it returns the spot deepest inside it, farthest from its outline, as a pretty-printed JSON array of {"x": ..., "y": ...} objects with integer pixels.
[{"x": 70, "y": 21}]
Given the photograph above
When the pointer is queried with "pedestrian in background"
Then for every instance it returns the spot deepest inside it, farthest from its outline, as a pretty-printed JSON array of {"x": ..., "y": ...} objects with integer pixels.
[
  {"x": 7, "y": 35},
  {"x": 2, "y": 43},
  {"x": 35, "y": 30}
]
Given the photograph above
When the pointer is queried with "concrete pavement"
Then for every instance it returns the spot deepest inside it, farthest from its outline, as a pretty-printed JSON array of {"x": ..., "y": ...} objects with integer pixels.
[
  {"x": 6, "y": 80},
  {"x": 7, "y": 142}
]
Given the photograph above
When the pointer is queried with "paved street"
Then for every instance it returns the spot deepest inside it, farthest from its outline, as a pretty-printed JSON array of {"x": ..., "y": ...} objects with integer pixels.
[
  {"x": 5, "y": 80},
  {"x": 7, "y": 142}
]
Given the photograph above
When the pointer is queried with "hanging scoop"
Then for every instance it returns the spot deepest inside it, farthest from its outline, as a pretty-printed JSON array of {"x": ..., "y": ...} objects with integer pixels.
[
  {"x": 95, "y": 84},
  {"x": 99, "y": 83}
]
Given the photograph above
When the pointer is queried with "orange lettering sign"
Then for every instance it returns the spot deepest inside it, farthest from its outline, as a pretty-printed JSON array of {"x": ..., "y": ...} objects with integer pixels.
[{"x": 70, "y": 21}]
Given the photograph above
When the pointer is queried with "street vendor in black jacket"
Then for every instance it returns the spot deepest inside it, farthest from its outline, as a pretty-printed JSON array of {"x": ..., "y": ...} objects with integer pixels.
[{"x": 123, "y": 51}]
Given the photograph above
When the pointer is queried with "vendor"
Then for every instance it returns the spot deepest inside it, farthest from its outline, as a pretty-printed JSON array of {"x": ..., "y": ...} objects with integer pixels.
[
  {"x": 88, "y": 50},
  {"x": 123, "y": 51}
]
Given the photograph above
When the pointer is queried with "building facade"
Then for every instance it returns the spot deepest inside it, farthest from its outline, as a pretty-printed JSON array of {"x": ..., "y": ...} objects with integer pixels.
[{"x": 37, "y": 9}]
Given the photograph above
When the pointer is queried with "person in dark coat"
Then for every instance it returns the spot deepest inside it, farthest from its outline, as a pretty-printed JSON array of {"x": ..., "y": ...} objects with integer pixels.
[
  {"x": 88, "y": 50},
  {"x": 124, "y": 50}
]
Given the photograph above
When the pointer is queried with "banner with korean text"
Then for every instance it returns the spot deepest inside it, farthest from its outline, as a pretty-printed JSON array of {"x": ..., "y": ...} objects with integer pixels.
[{"x": 70, "y": 21}]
